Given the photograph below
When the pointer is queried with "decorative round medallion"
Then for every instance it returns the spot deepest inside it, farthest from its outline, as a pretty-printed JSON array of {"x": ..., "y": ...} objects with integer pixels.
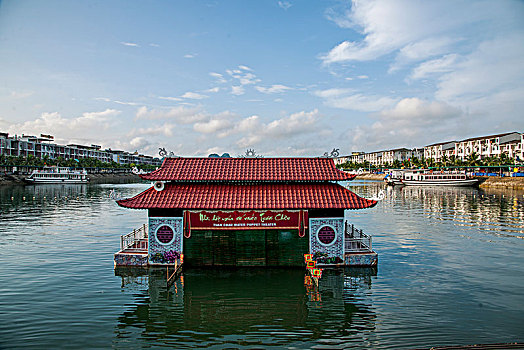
[
  {"x": 164, "y": 234},
  {"x": 326, "y": 235}
]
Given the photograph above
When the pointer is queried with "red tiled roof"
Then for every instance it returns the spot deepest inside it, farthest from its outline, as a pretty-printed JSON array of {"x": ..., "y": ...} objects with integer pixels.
[
  {"x": 248, "y": 170},
  {"x": 261, "y": 196}
]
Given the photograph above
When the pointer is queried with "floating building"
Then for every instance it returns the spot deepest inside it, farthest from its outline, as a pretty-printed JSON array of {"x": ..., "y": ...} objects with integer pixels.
[{"x": 247, "y": 212}]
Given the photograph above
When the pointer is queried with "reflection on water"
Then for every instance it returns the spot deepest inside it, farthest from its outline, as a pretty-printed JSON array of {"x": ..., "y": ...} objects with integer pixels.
[
  {"x": 450, "y": 269},
  {"x": 499, "y": 211},
  {"x": 247, "y": 307}
]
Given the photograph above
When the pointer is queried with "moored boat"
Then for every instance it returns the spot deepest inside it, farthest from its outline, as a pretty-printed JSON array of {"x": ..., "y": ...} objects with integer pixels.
[
  {"x": 432, "y": 178},
  {"x": 394, "y": 178},
  {"x": 57, "y": 175},
  {"x": 428, "y": 178}
]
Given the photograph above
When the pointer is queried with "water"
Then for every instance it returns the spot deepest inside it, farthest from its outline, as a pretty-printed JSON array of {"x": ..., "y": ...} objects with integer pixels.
[{"x": 451, "y": 267}]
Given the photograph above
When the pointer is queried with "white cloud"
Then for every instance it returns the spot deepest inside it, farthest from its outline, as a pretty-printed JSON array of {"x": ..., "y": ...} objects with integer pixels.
[
  {"x": 274, "y": 89},
  {"x": 407, "y": 125},
  {"x": 218, "y": 76},
  {"x": 245, "y": 68},
  {"x": 190, "y": 56},
  {"x": 99, "y": 116},
  {"x": 212, "y": 126},
  {"x": 349, "y": 99},
  {"x": 170, "y": 98},
  {"x": 333, "y": 93},
  {"x": 126, "y": 103},
  {"x": 294, "y": 124},
  {"x": 139, "y": 143},
  {"x": 165, "y": 129},
  {"x": 154, "y": 45},
  {"x": 116, "y": 101},
  {"x": 213, "y": 90},
  {"x": 194, "y": 95},
  {"x": 129, "y": 44},
  {"x": 439, "y": 65},
  {"x": 363, "y": 77},
  {"x": 180, "y": 114},
  {"x": 292, "y": 127},
  {"x": 422, "y": 50},
  {"x": 284, "y": 4},
  {"x": 415, "y": 30},
  {"x": 494, "y": 67},
  {"x": 414, "y": 111},
  {"x": 89, "y": 124},
  {"x": 20, "y": 94},
  {"x": 244, "y": 78},
  {"x": 237, "y": 90}
]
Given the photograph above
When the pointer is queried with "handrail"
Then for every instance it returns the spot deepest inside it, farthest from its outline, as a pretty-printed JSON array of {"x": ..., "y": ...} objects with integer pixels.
[
  {"x": 135, "y": 239},
  {"x": 356, "y": 240}
]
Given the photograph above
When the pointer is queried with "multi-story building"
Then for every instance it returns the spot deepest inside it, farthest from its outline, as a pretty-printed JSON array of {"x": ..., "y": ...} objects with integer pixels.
[
  {"x": 521, "y": 155},
  {"x": 400, "y": 154},
  {"x": 381, "y": 158},
  {"x": 437, "y": 151},
  {"x": 490, "y": 146},
  {"x": 43, "y": 147}
]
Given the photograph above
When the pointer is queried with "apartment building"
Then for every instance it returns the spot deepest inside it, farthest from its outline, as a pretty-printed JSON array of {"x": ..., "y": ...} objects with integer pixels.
[
  {"x": 43, "y": 146},
  {"x": 510, "y": 144},
  {"x": 401, "y": 155},
  {"x": 437, "y": 151},
  {"x": 381, "y": 158}
]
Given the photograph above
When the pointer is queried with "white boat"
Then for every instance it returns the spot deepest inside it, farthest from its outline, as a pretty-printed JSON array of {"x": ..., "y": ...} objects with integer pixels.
[
  {"x": 433, "y": 178},
  {"x": 57, "y": 175},
  {"x": 394, "y": 178}
]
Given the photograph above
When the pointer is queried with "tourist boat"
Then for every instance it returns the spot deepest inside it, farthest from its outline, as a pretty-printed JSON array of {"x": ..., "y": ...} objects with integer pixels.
[
  {"x": 394, "y": 178},
  {"x": 57, "y": 175},
  {"x": 431, "y": 178}
]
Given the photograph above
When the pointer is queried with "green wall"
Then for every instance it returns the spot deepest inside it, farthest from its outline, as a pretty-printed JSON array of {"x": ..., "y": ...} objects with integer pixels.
[{"x": 245, "y": 248}]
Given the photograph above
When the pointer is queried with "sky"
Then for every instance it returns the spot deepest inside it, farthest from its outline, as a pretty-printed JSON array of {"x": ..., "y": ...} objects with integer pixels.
[{"x": 285, "y": 78}]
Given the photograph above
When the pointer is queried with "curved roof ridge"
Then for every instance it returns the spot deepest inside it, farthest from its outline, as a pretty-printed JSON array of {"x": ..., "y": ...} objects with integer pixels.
[
  {"x": 268, "y": 196},
  {"x": 248, "y": 169}
]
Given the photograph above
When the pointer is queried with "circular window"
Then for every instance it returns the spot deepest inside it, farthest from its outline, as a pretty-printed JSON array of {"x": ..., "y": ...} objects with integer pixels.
[
  {"x": 164, "y": 234},
  {"x": 326, "y": 235}
]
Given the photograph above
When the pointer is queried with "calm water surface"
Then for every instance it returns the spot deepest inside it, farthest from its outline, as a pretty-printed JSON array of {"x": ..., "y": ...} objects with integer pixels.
[{"x": 451, "y": 271}]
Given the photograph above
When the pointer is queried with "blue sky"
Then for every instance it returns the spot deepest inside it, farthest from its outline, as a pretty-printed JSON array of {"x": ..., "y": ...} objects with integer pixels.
[{"x": 286, "y": 78}]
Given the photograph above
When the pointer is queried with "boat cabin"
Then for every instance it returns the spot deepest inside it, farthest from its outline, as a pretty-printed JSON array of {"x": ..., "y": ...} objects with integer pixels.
[{"x": 247, "y": 212}]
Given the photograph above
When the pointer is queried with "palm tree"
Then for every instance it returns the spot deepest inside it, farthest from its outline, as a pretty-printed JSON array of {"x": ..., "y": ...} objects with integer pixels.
[
  {"x": 396, "y": 164},
  {"x": 444, "y": 160},
  {"x": 473, "y": 158},
  {"x": 504, "y": 159}
]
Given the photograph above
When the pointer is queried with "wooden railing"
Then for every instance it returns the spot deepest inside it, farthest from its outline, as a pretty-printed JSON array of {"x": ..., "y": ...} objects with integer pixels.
[
  {"x": 356, "y": 240},
  {"x": 136, "y": 239}
]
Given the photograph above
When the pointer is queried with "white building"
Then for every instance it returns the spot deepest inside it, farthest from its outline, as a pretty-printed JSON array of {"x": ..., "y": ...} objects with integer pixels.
[
  {"x": 437, "y": 151},
  {"x": 43, "y": 146},
  {"x": 491, "y": 146}
]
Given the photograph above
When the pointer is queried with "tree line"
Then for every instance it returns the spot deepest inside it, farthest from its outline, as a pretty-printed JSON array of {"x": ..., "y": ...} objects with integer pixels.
[
  {"x": 31, "y": 160},
  {"x": 473, "y": 160}
]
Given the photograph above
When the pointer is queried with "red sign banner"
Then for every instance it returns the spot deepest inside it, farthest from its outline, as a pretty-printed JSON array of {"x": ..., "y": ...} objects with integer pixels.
[{"x": 246, "y": 220}]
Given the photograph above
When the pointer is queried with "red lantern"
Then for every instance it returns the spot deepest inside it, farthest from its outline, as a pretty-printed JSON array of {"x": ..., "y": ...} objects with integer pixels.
[{"x": 187, "y": 224}]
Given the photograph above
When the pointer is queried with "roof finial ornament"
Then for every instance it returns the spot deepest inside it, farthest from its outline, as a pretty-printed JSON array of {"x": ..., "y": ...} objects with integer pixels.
[
  {"x": 250, "y": 153},
  {"x": 163, "y": 153},
  {"x": 334, "y": 153}
]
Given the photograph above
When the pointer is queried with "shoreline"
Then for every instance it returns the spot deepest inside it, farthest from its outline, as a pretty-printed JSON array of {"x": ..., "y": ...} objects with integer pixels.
[
  {"x": 515, "y": 183},
  {"x": 9, "y": 180}
]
